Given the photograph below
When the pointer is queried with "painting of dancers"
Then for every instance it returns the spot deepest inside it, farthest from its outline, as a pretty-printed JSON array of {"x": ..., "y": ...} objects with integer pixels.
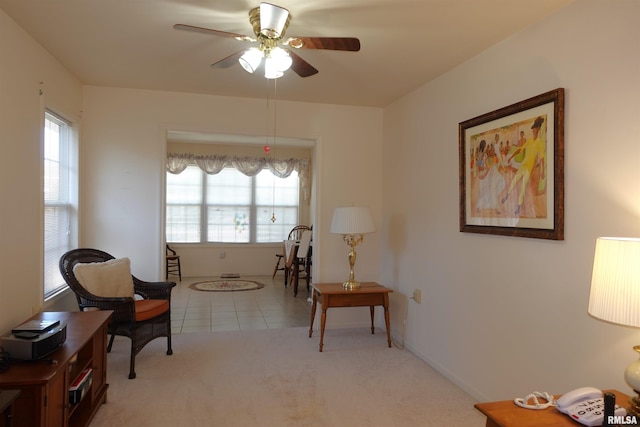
[{"x": 512, "y": 169}]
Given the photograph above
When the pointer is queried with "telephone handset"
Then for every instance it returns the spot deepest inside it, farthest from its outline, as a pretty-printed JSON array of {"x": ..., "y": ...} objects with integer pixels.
[
  {"x": 575, "y": 396},
  {"x": 586, "y": 406}
]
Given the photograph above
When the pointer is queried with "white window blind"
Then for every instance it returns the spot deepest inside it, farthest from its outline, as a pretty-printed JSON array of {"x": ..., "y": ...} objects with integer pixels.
[
  {"x": 58, "y": 206},
  {"x": 230, "y": 207}
]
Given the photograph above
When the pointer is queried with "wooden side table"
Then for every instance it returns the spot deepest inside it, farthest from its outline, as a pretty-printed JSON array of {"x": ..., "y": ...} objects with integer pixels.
[
  {"x": 507, "y": 414},
  {"x": 369, "y": 295}
]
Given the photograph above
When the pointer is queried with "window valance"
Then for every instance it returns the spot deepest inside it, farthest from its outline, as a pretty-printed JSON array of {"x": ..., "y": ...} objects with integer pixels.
[{"x": 250, "y": 166}]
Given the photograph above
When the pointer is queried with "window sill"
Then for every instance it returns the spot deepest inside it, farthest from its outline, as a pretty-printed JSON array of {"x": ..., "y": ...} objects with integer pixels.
[
  {"x": 225, "y": 245},
  {"x": 61, "y": 301}
]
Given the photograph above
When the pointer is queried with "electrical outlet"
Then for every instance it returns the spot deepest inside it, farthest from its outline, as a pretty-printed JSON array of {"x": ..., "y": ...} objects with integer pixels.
[
  {"x": 223, "y": 255},
  {"x": 417, "y": 296}
]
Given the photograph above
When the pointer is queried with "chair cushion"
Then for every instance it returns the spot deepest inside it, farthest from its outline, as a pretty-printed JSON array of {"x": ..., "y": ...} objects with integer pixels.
[
  {"x": 150, "y": 308},
  {"x": 288, "y": 249},
  {"x": 106, "y": 279},
  {"x": 305, "y": 242}
]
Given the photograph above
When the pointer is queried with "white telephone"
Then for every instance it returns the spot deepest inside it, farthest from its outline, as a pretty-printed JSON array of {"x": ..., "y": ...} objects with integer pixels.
[{"x": 586, "y": 406}]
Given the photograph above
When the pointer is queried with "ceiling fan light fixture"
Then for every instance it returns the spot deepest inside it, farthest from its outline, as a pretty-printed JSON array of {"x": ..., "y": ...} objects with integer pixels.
[
  {"x": 273, "y": 20},
  {"x": 281, "y": 59},
  {"x": 251, "y": 59},
  {"x": 269, "y": 23},
  {"x": 271, "y": 70}
]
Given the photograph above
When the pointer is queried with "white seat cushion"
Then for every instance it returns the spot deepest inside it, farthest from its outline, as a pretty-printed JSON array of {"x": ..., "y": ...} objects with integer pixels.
[{"x": 106, "y": 279}]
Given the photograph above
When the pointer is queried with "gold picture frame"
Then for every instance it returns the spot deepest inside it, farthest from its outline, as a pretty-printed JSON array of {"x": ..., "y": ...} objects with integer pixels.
[{"x": 511, "y": 169}]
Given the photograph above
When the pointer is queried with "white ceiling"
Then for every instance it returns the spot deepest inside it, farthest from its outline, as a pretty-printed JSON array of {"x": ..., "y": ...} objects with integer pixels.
[{"x": 405, "y": 43}]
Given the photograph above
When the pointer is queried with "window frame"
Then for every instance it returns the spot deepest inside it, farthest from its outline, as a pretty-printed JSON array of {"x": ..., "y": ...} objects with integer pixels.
[
  {"x": 68, "y": 159},
  {"x": 205, "y": 204}
]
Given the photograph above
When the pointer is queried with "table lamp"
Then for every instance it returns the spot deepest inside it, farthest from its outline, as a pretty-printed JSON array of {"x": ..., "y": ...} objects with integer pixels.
[
  {"x": 352, "y": 222},
  {"x": 615, "y": 294}
]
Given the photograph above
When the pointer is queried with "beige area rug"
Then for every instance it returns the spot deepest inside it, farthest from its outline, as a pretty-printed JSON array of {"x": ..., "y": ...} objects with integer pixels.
[
  {"x": 226, "y": 285},
  {"x": 277, "y": 377}
]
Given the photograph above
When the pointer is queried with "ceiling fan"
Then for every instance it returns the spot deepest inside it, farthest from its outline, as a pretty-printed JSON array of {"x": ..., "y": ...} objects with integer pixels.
[{"x": 269, "y": 24}]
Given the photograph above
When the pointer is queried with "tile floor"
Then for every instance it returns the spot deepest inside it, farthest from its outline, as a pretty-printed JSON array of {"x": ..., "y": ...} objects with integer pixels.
[{"x": 268, "y": 308}]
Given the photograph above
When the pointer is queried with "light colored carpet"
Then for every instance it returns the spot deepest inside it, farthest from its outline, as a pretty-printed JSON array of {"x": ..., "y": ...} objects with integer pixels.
[{"x": 277, "y": 377}]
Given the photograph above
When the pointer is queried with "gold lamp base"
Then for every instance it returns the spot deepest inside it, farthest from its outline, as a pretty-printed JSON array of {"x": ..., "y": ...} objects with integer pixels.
[
  {"x": 632, "y": 376},
  {"x": 351, "y": 284},
  {"x": 634, "y": 409}
]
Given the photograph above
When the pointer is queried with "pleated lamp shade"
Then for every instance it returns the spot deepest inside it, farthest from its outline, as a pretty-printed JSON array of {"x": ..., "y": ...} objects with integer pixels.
[
  {"x": 352, "y": 220},
  {"x": 615, "y": 282}
]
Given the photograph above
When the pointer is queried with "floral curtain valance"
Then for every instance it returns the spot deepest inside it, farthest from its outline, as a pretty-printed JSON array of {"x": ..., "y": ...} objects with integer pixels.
[{"x": 250, "y": 166}]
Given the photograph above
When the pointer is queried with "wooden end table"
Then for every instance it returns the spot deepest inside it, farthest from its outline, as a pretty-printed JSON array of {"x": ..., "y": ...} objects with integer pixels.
[
  {"x": 369, "y": 295},
  {"x": 507, "y": 414}
]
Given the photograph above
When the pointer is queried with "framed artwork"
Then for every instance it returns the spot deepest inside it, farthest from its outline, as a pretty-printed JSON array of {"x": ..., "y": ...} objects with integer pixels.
[{"x": 512, "y": 169}]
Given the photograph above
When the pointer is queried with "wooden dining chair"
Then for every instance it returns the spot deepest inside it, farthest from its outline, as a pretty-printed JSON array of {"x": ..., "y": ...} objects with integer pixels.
[
  {"x": 172, "y": 263},
  {"x": 294, "y": 234},
  {"x": 300, "y": 267}
]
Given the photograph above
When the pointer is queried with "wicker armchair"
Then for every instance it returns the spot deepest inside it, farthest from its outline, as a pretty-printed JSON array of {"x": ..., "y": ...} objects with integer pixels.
[{"x": 140, "y": 320}]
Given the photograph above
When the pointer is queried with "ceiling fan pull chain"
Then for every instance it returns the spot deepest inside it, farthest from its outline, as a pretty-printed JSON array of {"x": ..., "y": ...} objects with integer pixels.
[
  {"x": 275, "y": 120},
  {"x": 275, "y": 112}
]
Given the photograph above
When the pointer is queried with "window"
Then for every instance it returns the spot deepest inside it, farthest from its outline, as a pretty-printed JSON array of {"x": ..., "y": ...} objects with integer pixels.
[
  {"x": 60, "y": 192},
  {"x": 230, "y": 207}
]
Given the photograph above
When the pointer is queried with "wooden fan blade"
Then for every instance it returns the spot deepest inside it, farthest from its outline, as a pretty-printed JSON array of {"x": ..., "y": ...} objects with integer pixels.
[
  {"x": 301, "y": 67},
  {"x": 239, "y": 37},
  {"x": 229, "y": 60},
  {"x": 350, "y": 44}
]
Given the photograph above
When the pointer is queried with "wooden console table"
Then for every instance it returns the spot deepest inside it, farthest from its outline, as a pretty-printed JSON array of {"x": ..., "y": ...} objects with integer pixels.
[
  {"x": 507, "y": 414},
  {"x": 369, "y": 295},
  {"x": 44, "y": 384}
]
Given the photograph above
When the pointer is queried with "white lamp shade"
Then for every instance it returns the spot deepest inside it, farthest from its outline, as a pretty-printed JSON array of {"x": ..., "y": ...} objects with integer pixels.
[
  {"x": 615, "y": 282},
  {"x": 271, "y": 70},
  {"x": 281, "y": 59},
  {"x": 251, "y": 59},
  {"x": 352, "y": 220}
]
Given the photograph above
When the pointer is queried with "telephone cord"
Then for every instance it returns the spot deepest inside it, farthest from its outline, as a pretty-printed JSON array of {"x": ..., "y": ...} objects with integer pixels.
[{"x": 524, "y": 402}]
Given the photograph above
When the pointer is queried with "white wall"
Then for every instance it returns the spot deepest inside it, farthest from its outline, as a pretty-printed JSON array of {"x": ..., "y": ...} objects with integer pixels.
[
  {"x": 504, "y": 316},
  {"x": 123, "y": 154},
  {"x": 30, "y": 79},
  {"x": 197, "y": 260}
]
